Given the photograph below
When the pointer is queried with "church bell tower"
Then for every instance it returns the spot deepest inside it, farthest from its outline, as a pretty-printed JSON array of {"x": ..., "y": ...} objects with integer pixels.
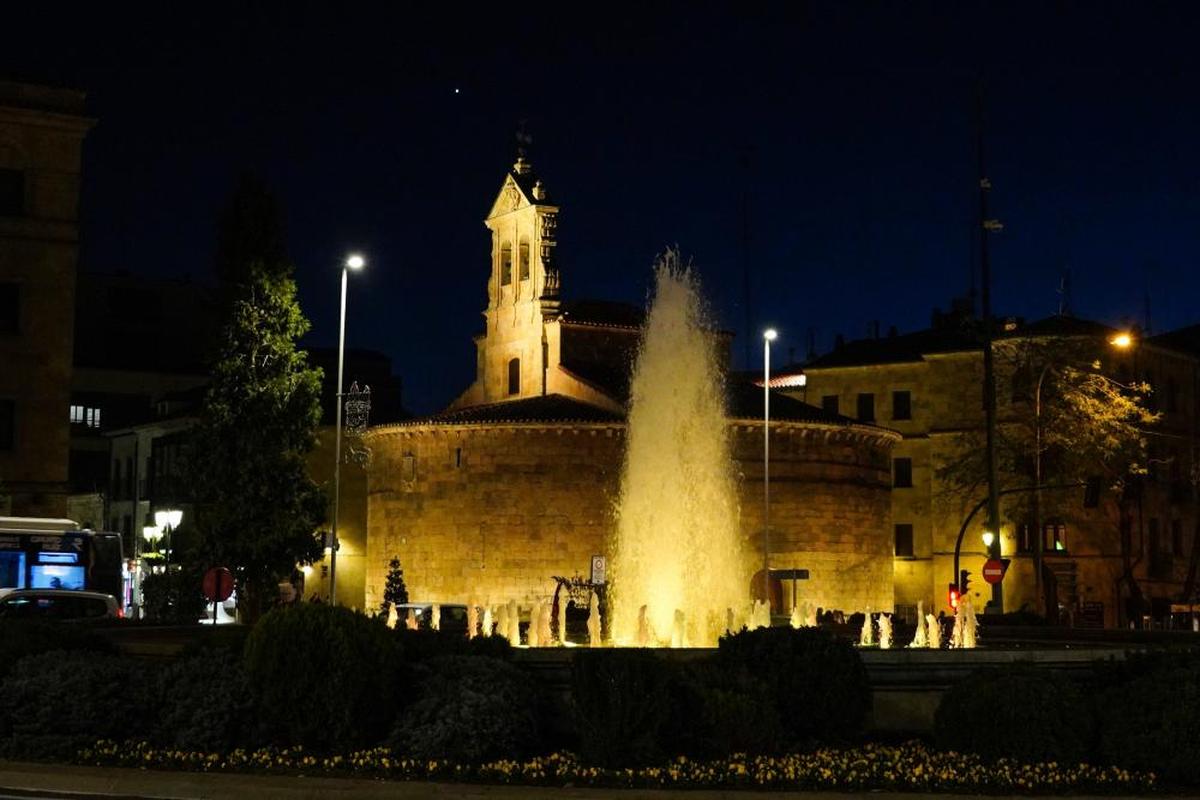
[{"x": 523, "y": 289}]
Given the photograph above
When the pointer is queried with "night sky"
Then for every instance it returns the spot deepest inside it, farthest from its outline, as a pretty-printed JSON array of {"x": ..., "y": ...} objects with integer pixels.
[{"x": 847, "y": 127}]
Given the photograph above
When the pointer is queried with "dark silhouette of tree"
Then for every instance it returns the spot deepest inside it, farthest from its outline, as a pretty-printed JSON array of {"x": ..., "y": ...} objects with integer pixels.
[{"x": 257, "y": 510}]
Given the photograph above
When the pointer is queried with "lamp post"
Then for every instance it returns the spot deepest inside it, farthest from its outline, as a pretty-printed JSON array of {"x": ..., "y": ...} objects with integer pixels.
[
  {"x": 769, "y": 335},
  {"x": 353, "y": 262},
  {"x": 168, "y": 520},
  {"x": 152, "y": 534}
]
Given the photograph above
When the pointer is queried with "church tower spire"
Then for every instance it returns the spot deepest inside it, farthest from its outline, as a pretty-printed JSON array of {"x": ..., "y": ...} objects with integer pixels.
[{"x": 523, "y": 284}]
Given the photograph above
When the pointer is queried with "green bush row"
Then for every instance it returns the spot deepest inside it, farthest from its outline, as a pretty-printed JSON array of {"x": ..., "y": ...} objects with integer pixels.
[{"x": 1142, "y": 713}]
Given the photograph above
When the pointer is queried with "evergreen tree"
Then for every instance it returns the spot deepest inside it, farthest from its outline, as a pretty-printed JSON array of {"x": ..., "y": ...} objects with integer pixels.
[
  {"x": 256, "y": 509},
  {"x": 394, "y": 591}
]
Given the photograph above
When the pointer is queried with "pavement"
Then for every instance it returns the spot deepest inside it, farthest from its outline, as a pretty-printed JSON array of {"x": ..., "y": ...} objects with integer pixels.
[{"x": 62, "y": 782}]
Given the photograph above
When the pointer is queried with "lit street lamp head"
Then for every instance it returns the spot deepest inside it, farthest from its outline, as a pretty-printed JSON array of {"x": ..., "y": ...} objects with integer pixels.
[
  {"x": 355, "y": 261},
  {"x": 1121, "y": 341},
  {"x": 988, "y": 538},
  {"x": 770, "y": 334}
]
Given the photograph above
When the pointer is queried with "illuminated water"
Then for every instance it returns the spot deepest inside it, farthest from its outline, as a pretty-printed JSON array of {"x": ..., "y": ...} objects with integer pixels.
[{"x": 676, "y": 547}]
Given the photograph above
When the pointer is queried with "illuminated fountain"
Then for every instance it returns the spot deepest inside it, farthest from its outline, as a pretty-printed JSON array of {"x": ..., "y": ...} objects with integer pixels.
[{"x": 677, "y": 549}]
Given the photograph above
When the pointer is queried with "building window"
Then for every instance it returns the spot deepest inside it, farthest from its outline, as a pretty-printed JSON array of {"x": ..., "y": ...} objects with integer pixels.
[
  {"x": 408, "y": 471},
  {"x": 829, "y": 403},
  {"x": 904, "y": 540},
  {"x": 523, "y": 259},
  {"x": 85, "y": 415},
  {"x": 1025, "y": 537},
  {"x": 514, "y": 376},
  {"x": 12, "y": 193},
  {"x": 1054, "y": 536},
  {"x": 505, "y": 264},
  {"x": 901, "y": 405},
  {"x": 866, "y": 407},
  {"x": 902, "y": 473},
  {"x": 10, "y": 307},
  {"x": 458, "y": 457},
  {"x": 1177, "y": 537},
  {"x": 8, "y": 424}
]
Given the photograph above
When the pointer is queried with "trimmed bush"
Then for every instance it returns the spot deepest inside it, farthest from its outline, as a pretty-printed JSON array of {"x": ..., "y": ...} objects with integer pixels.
[
  {"x": 469, "y": 709},
  {"x": 1153, "y": 724},
  {"x": 54, "y": 704},
  {"x": 174, "y": 598},
  {"x": 818, "y": 681},
  {"x": 715, "y": 712},
  {"x": 322, "y": 676},
  {"x": 621, "y": 703},
  {"x": 1018, "y": 711},
  {"x": 19, "y": 639},
  {"x": 204, "y": 703}
]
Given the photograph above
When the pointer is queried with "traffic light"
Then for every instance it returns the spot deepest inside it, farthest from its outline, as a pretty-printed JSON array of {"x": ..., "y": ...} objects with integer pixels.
[
  {"x": 964, "y": 582},
  {"x": 953, "y": 596}
]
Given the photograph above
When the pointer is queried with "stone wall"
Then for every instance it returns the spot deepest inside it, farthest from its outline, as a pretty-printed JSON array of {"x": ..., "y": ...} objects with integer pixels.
[{"x": 492, "y": 513}]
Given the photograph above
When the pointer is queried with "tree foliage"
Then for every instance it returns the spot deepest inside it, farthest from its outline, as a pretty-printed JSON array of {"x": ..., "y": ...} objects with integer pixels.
[
  {"x": 256, "y": 508},
  {"x": 395, "y": 592}
]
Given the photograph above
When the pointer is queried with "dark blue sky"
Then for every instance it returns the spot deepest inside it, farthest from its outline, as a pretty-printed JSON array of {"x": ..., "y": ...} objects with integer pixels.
[{"x": 858, "y": 118}]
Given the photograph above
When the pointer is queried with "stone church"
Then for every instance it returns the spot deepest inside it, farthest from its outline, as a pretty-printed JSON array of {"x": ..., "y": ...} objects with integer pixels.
[{"x": 515, "y": 482}]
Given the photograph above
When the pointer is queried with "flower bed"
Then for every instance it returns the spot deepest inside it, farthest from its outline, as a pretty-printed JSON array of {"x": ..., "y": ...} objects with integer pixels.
[{"x": 908, "y": 767}]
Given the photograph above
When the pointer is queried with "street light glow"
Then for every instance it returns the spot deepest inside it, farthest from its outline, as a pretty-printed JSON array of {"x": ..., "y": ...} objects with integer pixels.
[
  {"x": 168, "y": 518},
  {"x": 770, "y": 334},
  {"x": 355, "y": 261},
  {"x": 1121, "y": 340},
  {"x": 988, "y": 538}
]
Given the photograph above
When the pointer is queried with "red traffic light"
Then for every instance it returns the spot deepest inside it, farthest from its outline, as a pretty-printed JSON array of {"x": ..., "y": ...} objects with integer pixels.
[{"x": 953, "y": 596}]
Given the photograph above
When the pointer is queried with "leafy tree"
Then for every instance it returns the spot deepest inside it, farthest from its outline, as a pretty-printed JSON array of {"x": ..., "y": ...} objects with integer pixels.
[
  {"x": 1060, "y": 414},
  {"x": 256, "y": 508},
  {"x": 395, "y": 593}
]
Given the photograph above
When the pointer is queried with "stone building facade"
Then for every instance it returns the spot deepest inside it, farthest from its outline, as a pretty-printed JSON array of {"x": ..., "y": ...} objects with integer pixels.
[
  {"x": 927, "y": 386},
  {"x": 517, "y": 481},
  {"x": 41, "y": 135}
]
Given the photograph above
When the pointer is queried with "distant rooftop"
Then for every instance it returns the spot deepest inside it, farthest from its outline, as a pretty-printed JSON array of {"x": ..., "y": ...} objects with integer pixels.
[
  {"x": 603, "y": 312},
  {"x": 41, "y": 98},
  {"x": 553, "y": 408}
]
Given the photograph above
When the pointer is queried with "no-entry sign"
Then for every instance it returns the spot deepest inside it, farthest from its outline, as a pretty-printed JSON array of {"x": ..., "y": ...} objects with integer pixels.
[
  {"x": 994, "y": 569},
  {"x": 217, "y": 585}
]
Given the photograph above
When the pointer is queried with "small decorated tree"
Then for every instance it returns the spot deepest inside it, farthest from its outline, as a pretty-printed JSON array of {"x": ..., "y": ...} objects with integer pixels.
[{"x": 394, "y": 591}]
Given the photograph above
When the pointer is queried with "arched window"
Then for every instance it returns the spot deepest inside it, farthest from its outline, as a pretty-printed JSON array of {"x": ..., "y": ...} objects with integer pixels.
[
  {"x": 523, "y": 256},
  {"x": 514, "y": 376},
  {"x": 506, "y": 264}
]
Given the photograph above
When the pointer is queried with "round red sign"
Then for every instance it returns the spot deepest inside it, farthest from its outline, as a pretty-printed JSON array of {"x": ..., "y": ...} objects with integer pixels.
[
  {"x": 217, "y": 585},
  {"x": 993, "y": 570}
]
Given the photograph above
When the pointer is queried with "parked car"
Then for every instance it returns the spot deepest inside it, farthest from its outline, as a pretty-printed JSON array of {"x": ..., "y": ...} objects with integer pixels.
[
  {"x": 453, "y": 618},
  {"x": 58, "y": 605}
]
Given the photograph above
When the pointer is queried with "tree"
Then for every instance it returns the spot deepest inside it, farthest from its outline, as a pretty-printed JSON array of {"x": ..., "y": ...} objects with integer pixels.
[
  {"x": 1064, "y": 422},
  {"x": 394, "y": 591},
  {"x": 256, "y": 509}
]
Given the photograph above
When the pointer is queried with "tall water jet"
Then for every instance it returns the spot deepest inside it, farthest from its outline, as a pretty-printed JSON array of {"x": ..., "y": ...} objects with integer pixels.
[
  {"x": 677, "y": 543},
  {"x": 919, "y": 638}
]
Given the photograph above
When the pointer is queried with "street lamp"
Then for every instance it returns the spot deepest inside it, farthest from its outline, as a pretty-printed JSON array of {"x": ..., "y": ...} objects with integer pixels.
[
  {"x": 353, "y": 262},
  {"x": 769, "y": 335},
  {"x": 152, "y": 534},
  {"x": 168, "y": 520}
]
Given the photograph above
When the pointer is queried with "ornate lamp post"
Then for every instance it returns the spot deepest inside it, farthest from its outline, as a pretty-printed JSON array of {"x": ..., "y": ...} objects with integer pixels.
[
  {"x": 168, "y": 520},
  {"x": 353, "y": 262}
]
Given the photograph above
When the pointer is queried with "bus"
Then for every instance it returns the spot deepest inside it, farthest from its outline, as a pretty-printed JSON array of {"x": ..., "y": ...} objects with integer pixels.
[{"x": 37, "y": 553}]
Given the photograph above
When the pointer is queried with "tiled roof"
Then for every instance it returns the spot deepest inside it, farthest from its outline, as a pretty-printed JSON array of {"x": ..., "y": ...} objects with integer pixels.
[
  {"x": 608, "y": 378},
  {"x": 1183, "y": 339},
  {"x": 905, "y": 348},
  {"x": 603, "y": 312},
  {"x": 543, "y": 408},
  {"x": 745, "y": 401},
  {"x": 1059, "y": 325}
]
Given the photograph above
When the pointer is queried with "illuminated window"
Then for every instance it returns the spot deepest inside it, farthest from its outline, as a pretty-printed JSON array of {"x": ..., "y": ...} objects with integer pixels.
[
  {"x": 1054, "y": 536},
  {"x": 85, "y": 415},
  {"x": 902, "y": 473},
  {"x": 523, "y": 258},
  {"x": 514, "y": 376},
  {"x": 904, "y": 540},
  {"x": 505, "y": 264},
  {"x": 901, "y": 405}
]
